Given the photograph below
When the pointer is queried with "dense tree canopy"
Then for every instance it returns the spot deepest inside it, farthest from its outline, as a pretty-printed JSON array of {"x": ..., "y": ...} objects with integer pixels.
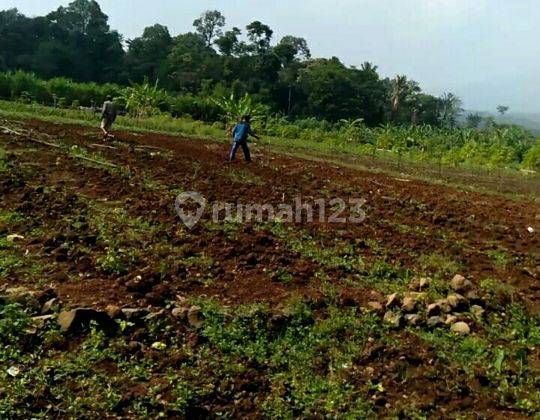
[
  {"x": 77, "y": 42},
  {"x": 146, "y": 55}
]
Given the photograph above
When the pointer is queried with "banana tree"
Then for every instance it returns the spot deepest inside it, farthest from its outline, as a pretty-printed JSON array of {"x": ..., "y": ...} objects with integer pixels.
[
  {"x": 232, "y": 109},
  {"x": 142, "y": 100}
]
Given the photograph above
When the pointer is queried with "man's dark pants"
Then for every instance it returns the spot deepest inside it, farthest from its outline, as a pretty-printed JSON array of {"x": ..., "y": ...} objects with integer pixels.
[{"x": 243, "y": 144}]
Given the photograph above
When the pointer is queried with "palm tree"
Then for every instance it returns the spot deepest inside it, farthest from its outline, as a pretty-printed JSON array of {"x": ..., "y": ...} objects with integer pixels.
[
  {"x": 399, "y": 85},
  {"x": 402, "y": 90},
  {"x": 450, "y": 109}
]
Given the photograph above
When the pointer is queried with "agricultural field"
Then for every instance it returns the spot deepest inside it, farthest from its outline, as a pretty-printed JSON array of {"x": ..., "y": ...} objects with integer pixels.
[{"x": 111, "y": 307}]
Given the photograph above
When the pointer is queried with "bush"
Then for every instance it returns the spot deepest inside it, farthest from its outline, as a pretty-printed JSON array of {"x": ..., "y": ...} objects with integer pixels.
[
  {"x": 28, "y": 88},
  {"x": 532, "y": 158},
  {"x": 194, "y": 107}
]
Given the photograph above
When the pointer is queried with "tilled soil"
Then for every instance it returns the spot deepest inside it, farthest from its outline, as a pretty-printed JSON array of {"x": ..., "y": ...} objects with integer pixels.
[
  {"x": 88, "y": 197},
  {"x": 405, "y": 219}
]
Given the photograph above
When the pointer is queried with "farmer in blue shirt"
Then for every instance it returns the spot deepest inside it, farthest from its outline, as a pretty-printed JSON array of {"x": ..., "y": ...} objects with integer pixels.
[{"x": 240, "y": 133}]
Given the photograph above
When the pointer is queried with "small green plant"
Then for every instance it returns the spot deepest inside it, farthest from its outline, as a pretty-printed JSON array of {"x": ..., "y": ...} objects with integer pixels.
[
  {"x": 8, "y": 263},
  {"x": 233, "y": 108},
  {"x": 13, "y": 324},
  {"x": 9, "y": 217},
  {"x": 283, "y": 276},
  {"x": 143, "y": 100},
  {"x": 438, "y": 264},
  {"x": 115, "y": 261},
  {"x": 501, "y": 258}
]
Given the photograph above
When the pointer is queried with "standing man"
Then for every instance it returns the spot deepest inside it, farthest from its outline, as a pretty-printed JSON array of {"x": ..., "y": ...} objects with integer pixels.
[
  {"x": 108, "y": 116},
  {"x": 240, "y": 135}
]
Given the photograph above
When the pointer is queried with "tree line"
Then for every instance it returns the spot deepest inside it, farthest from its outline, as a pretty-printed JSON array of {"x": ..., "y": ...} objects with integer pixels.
[{"x": 215, "y": 61}]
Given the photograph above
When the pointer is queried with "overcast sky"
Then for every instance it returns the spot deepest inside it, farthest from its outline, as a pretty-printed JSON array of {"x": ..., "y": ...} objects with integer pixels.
[{"x": 485, "y": 51}]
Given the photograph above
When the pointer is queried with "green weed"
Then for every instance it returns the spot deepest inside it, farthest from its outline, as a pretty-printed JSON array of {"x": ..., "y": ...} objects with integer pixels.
[
  {"x": 501, "y": 258},
  {"x": 438, "y": 265},
  {"x": 8, "y": 262},
  {"x": 9, "y": 217}
]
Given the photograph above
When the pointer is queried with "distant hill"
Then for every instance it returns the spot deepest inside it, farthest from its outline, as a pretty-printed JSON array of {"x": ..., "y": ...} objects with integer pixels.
[{"x": 530, "y": 121}]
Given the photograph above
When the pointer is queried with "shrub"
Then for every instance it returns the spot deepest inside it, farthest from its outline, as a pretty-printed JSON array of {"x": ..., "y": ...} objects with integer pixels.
[
  {"x": 144, "y": 100},
  {"x": 531, "y": 159}
]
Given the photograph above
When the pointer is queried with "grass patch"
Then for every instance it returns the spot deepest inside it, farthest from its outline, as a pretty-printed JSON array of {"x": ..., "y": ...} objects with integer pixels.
[
  {"x": 499, "y": 356},
  {"x": 438, "y": 265},
  {"x": 337, "y": 255},
  {"x": 10, "y": 217},
  {"x": 3, "y": 160},
  {"x": 387, "y": 278},
  {"x": 296, "y": 357},
  {"x": 8, "y": 263},
  {"x": 501, "y": 258},
  {"x": 243, "y": 176}
]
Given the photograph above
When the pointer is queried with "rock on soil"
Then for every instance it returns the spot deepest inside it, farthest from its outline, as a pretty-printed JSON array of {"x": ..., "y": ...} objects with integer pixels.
[
  {"x": 411, "y": 301},
  {"x": 477, "y": 311},
  {"x": 392, "y": 300},
  {"x": 439, "y": 306},
  {"x": 195, "y": 317},
  {"x": 375, "y": 306},
  {"x": 14, "y": 238},
  {"x": 80, "y": 318},
  {"x": 460, "y": 284},
  {"x": 460, "y": 328},
  {"x": 135, "y": 314},
  {"x": 473, "y": 296},
  {"x": 433, "y": 309},
  {"x": 409, "y": 304},
  {"x": 52, "y": 305},
  {"x": 393, "y": 319},
  {"x": 180, "y": 313},
  {"x": 40, "y": 321},
  {"x": 420, "y": 284},
  {"x": 114, "y": 311},
  {"x": 19, "y": 292},
  {"x": 457, "y": 302},
  {"x": 435, "y": 321},
  {"x": 413, "y": 319}
]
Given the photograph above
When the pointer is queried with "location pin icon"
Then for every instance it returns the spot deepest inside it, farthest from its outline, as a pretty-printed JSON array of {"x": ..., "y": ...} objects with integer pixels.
[{"x": 189, "y": 218}]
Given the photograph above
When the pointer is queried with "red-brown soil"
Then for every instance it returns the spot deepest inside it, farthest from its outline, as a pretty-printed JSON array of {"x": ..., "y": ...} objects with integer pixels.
[
  {"x": 407, "y": 219},
  {"x": 408, "y": 223}
]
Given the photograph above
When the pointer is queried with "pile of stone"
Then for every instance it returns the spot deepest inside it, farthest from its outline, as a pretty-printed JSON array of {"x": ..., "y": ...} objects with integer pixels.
[
  {"x": 462, "y": 305},
  {"x": 187, "y": 313},
  {"x": 45, "y": 307}
]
